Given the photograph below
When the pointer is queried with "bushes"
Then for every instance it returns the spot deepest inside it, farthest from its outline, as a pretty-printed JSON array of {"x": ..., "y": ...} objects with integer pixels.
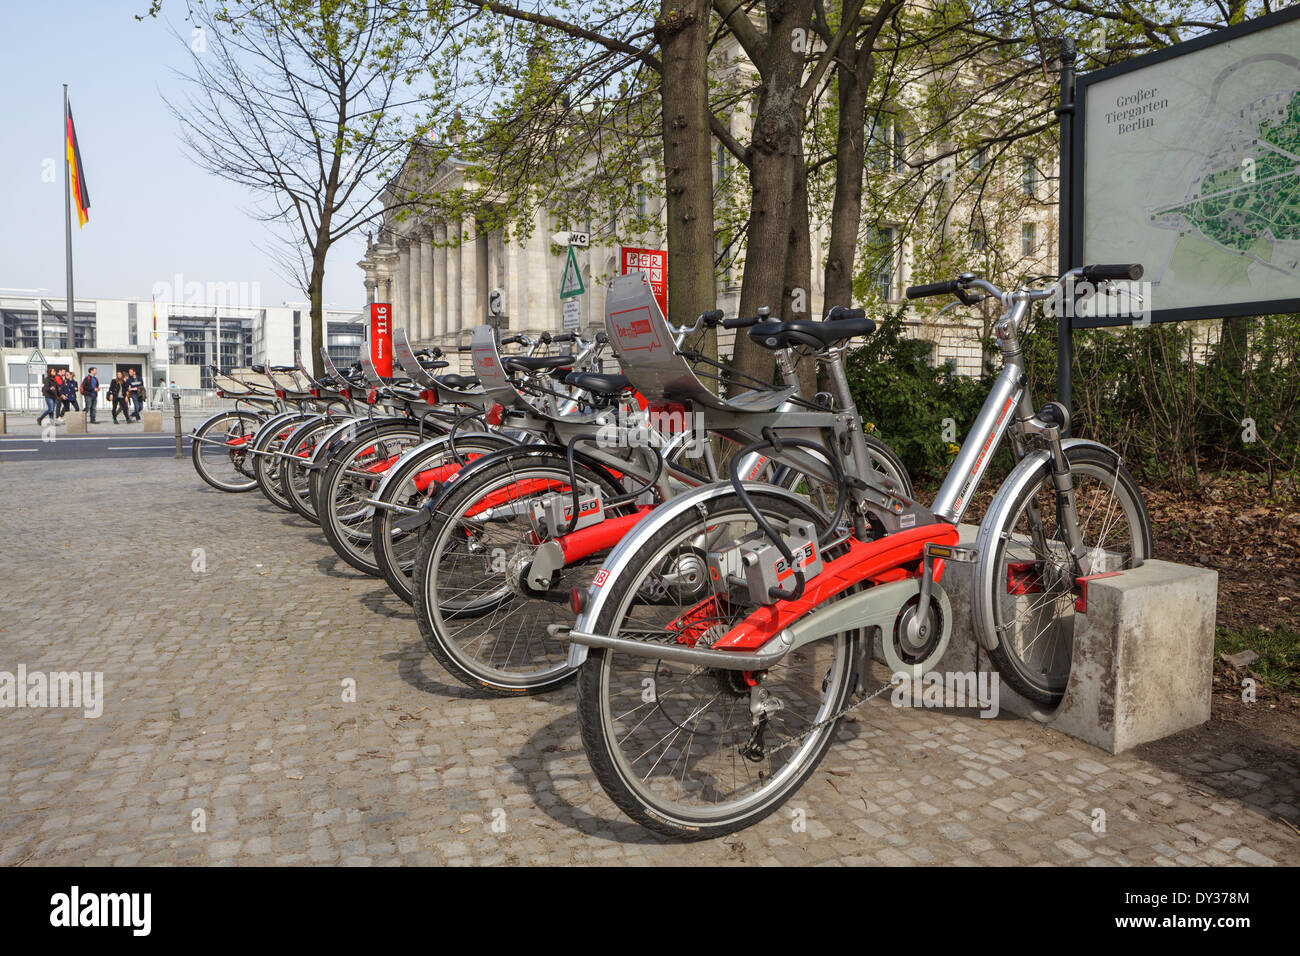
[
  {"x": 1173, "y": 399},
  {"x": 1177, "y": 399},
  {"x": 906, "y": 399}
]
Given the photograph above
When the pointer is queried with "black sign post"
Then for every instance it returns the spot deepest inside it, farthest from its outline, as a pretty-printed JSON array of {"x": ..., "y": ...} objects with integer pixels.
[{"x": 1065, "y": 235}]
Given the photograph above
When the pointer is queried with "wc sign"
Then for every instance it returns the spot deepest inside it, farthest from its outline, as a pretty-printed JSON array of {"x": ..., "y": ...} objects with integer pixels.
[
  {"x": 381, "y": 338},
  {"x": 654, "y": 263}
]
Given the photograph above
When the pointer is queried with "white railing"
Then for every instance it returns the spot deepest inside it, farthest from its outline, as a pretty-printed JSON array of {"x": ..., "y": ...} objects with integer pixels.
[{"x": 28, "y": 399}]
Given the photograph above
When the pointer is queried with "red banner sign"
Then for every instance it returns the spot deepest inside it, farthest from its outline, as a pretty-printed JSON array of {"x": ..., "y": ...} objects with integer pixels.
[
  {"x": 654, "y": 263},
  {"x": 381, "y": 338}
]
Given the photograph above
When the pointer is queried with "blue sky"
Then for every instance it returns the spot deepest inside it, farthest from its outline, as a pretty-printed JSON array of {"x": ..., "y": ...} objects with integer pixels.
[{"x": 153, "y": 213}]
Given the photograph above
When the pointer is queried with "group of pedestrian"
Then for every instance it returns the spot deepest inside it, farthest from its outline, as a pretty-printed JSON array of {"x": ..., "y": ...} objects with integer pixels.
[{"x": 60, "y": 390}]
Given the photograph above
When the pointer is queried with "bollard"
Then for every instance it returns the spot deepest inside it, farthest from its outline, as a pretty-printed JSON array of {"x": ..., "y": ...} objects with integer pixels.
[{"x": 176, "y": 408}]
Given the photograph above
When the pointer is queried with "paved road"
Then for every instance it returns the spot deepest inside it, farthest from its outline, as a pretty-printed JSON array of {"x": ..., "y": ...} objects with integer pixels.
[
  {"x": 225, "y": 642},
  {"x": 89, "y": 447}
]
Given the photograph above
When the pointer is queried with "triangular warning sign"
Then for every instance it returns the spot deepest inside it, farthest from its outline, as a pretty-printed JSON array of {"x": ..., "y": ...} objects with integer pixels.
[
  {"x": 36, "y": 358},
  {"x": 571, "y": 281}
]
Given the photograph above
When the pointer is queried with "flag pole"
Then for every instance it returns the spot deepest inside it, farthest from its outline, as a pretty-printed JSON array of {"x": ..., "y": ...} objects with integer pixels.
[{"x": 67, "y": 219}]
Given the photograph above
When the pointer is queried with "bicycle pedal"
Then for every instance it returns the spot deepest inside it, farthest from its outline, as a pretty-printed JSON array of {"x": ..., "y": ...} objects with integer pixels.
[{"x": 951, "y": 552}]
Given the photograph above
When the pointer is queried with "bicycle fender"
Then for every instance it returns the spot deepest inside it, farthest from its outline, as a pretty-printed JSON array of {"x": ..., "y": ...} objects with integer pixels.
[
  {"x": 1003, "y": 501},
  {"x": 641, "y": 535}
]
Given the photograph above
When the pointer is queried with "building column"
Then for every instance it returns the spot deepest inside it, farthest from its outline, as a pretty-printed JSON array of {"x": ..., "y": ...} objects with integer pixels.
[
  {"x": 441, "y": 324},
  {"x": 401, "y": 302},
  {"x": 470, "y": 313},
  {"x": 412, "y": 302},
  {"x": 371, "y": 285},
  {"x": 452, "y": 305},
  {"x": 427, "y": 290}
]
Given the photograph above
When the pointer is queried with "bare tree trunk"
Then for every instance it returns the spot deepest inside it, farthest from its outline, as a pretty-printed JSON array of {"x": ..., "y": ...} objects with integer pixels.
[
  {"x": 796, "y": 303},
  {"x": 854, "y": 72},
  {"x": 316, "y": 290},
  {"x": 683, "y": 34},
  {"x": 774, "y": 167}
]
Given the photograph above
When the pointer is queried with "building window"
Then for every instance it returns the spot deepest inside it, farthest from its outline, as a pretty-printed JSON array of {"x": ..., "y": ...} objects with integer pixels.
[
  {"x": 297, "y": 332},
  {"x": 1029, "y": 238},
  {"x": 720, "y": 168},
  {"x": 640, "y": 199},
  {"x": 344, "y": 341},
  {"x": 133, "y": 335},
  {"x": 882, "y": 263},
  {"x": 979, "y": 242},
  {"x": 981, "y": 159},
  {"x": 886, "y": 144},
  {"x": 1029, "y": 178}
]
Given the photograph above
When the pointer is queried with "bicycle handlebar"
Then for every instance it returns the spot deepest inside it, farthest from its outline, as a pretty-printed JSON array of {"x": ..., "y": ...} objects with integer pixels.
[
  {"x": 1104, "y": 273},
  {"x": 1094, "y": 273},
  {"x": 948, "y": 287}
]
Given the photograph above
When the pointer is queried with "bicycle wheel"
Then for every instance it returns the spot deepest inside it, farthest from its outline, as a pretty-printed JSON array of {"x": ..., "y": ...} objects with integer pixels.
[
  {"x": 294, "y": 483},
  {"x": 674, "y": 745},
  {"x": 352, "y": 477},
  {"x": 219, "y": 453},
  {"x": 1025, "y": 578},
  {"x": 267, "y": 463},
  {"x": 412, "y": 479},
  {"x": 477, "y": 617}
]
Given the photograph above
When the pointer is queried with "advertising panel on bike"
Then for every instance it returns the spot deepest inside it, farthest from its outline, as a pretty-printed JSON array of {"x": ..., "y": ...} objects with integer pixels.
[
  {"x": 652, "y": 262},
  {"x": 1188, "y": 161}
]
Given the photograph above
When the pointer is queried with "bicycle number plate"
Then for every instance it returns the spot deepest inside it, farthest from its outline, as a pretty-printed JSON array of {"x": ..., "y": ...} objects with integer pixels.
[{"x": 552, "y": 514}]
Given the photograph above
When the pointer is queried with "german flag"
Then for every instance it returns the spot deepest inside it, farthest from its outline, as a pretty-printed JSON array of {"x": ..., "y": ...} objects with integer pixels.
[{"x": 76, "y": 174}]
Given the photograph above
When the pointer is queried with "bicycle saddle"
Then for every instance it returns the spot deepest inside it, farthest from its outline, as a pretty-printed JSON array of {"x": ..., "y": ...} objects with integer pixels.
[
  {"x": 452, "y": 380},
  {"x": 598, "y": 383},
  {"x": 536, "y": 363},
  {"x": 816, "y": 335}
]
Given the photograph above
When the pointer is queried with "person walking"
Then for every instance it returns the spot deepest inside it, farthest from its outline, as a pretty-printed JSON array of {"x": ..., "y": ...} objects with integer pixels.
[
  {"x": 90, "y": 393},
  {"x": 135, "y": 393},
  {"x": 69, "y": 389},
  {"x": 50, "y": 392},
  {"x": 117, "y": 395}
]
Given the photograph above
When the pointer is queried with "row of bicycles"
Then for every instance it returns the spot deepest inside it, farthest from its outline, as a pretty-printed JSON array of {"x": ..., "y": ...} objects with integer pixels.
[{"x": 716, "y": 561}]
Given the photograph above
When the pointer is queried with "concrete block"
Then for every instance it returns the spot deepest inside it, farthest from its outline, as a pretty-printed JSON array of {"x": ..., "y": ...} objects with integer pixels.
[
  {"x": 75, "y": 423},
  {"x": 151, "y": 421},
  {"x": 1142, "y": 658}
]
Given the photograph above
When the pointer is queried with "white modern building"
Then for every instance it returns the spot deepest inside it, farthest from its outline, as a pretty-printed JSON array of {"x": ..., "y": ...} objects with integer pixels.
[{"x": 165, "y": 342}]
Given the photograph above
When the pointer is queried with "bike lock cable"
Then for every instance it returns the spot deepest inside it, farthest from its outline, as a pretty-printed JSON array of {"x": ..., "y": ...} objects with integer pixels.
[{"x": 771, "y": 440}]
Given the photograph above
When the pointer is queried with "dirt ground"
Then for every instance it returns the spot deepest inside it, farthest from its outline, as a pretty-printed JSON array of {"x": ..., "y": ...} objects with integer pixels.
[{"x": 1234, "y": 526}]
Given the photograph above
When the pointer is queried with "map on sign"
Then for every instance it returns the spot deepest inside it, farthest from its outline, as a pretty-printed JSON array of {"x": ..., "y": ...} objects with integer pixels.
[{"x": 1192, "y": 167}]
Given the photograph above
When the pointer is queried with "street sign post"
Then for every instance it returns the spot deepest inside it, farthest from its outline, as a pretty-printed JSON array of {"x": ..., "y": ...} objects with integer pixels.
[
  {"x": 572, "y": 315},
  {"x": 580, "y": 239},
  {"x": 571, "y": 280}
]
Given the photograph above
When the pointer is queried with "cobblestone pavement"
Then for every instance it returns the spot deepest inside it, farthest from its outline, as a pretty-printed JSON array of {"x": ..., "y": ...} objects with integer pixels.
[{"x": 224, "y": 707}]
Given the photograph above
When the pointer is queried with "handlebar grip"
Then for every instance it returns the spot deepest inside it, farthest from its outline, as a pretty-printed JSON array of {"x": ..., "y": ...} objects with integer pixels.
[
  {"x": 711, "y": 318},
  {"x": 512, "y": 340},
  {"x": 563, "y": 337},
  {"x": 741, "y": 322},
  {"x": 948, "y": 287},
  {"x": 602, "y": 337},
  {"x": 843, "y": 312},
  {"x": 1103, "y": 273}
]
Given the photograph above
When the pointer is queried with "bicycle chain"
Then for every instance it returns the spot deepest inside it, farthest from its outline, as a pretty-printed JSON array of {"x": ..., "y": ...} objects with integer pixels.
[{"x": 785, "y": 742}]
